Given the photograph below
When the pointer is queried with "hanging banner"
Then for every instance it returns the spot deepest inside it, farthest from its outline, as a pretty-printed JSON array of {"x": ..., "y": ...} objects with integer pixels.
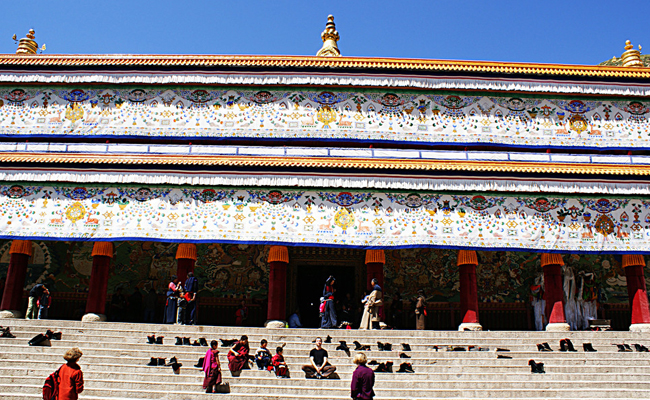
[{"x": 325, "y": 218}]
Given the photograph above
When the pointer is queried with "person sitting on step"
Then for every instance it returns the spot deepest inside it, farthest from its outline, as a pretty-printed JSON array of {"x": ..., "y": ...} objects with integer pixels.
[
  {"x": 280, "y": 366},
  {"x": 319, "y": 367},
  {"x": 263, "y": 356},
  {"x": 238, "y": 355}
]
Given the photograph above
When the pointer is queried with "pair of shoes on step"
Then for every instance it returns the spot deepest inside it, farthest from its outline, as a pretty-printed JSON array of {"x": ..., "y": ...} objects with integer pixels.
[
  {"x": 187, "y": 342},
  {"x": 385, "y": 367},
  {"x": 6, "y": 332},
  {"x": 228, "y": 342},
  {"x": 156, "y": 362},
  {"x": 384, "y": 346},
  {"x": 536, "y": 368},
  {"x": 176, "y": 366},
  {"x": 624, "y": 348},
  {"x": 566, "y": 345},
  {"x": 328, "y": 339},
  {"x": 406, "y": 367},
  {"x": 44, "y": 339},
  {"x": 358, "y": 346},
  {"x": 152, "y": 339},
  {"x": 544, "y": 347}
]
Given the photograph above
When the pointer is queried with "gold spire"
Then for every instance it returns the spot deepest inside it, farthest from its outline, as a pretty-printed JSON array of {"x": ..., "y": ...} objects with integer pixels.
[
  {"x": 631, "y": 57},
  {"x": 330, "y": 36},
  {"x": 28, "y": 45}
]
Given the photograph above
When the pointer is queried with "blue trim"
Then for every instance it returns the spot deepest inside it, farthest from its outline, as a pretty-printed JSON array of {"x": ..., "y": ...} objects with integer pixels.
[
  {"x": 311, "y": 139},
  {"x": 273, "y": 243}
]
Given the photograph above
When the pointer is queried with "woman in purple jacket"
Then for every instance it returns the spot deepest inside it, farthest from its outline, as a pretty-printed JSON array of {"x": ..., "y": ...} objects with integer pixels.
[{"x": 363, "y": 379}]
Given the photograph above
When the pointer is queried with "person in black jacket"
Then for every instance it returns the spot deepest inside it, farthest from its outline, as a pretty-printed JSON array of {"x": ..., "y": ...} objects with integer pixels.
[{"x": 35, "y": 294}]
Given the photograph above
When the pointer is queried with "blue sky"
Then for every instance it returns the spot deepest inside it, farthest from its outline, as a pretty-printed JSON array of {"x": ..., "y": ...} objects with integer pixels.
[{"x": 552, "y": 31}]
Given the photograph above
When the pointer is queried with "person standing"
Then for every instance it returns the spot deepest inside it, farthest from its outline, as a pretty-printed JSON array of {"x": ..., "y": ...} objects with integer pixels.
[
  {"x": 328, "y": 319},
  {"x": 420, "y": 311},
  {"x": 319, "y": 367},
  {"x": 191, "y": 288},
  {"x": 211, "y": 368},
  {"x": 370, "y": 318},
  {"x": 44, "y": 304},
  {"x": 363, "y": 379},
  {"x": 238, "y": 355},
  {"x": 181, "y": 306},
  {"x": 169, "y": 316},
  {"x": 35, "y": 294},
  {"x": 241, "y": 314},
  {"x": 70, "y": 378}
]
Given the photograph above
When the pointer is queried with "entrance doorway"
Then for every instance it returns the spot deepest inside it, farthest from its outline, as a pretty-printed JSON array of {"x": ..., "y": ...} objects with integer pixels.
[{"x": 310, "y": 282}]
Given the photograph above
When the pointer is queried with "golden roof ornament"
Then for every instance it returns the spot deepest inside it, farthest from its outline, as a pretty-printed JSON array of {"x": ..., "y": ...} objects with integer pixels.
[
  {"x": 28, "y": 45},
  {"x": 631, "y": 57},
  {"x": 330, "y": 36}
]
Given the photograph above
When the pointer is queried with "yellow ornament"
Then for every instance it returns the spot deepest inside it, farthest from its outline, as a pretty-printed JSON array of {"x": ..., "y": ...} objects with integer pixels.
[
  {"x": 326, "y": 116},
  {"x": 343, "y": 219},
  {"x": 75, "y": 212}
]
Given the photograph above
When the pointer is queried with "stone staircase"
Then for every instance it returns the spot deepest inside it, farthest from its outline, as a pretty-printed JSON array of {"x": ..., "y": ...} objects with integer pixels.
[{"x": 116, "y": 354}]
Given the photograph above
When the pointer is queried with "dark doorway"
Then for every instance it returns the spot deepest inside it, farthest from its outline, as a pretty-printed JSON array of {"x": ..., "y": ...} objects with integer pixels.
[{"x": 310, "y": 283}]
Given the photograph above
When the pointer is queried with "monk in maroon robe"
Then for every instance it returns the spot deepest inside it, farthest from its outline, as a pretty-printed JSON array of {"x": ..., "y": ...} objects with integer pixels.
[
  {"x": 212, "y": 368},
  {"x": 238, "y": 355}
]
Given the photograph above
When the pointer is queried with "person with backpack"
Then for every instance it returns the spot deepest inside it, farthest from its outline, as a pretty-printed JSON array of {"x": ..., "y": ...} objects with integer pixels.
[
  {"x": 191, "y": 288},
  {"x": 66, "y": 382}
]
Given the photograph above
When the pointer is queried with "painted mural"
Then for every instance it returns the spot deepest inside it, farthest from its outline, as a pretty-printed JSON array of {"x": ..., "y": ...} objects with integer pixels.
[
  {"x": 237, "y": 270},
  {"x": 224, "y": 112}
]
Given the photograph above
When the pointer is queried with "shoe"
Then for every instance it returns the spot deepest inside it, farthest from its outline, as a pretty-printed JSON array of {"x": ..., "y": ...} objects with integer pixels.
[
  {"x": 380, "y": 368},
  {"x": 6, "y": 332},
  {"x": 203, "y": 342},
  {"x": 404, "y": 355},
  {"x": 179, "y": 341},
  {"x": 563, "y": 346},
  {"x": 588, "y": 347},
  {"x": 627, "y": 347},
  {"x": 151, "y": 339},
  {"x": 186, "y": 341},
  {"x": 199, "y": 364},
  {"x": 389, "y": 366},
  {"x": 502, "y": 349},
  {"x": 458, "y": 348},
  {"x": 381, "y": 346},
  {"x": 196, "y": 343},
  {"x": 153, "y": 362},
  {"x": 230, "y": 342},
  {"x": 406, "y": 347},
  {"x": 373, "y": 362},
  {"x": 503, "y": 356},
  {"x": 176, "y": 367},
  {"x": 569, "y": 345},
  {"x": 640, "y": 348},
  {"x": 541, "y": 347},
  {"x": 547, "y": 347},
  {"x": 328, "y": 339},
  {"x": 161, "y": 362},
  {"x": 342, "y": 346},
  {"x": 171, "y": 361},
  {"x": 388, "y": 347},
  {"x": 159, "y": 340},
  {"x": 40, "y": 340},
  {"x": 405, "y": 367},
  {"x": 436, "y": 348},
  {"x": 49, "y": 334},
  {"x": 483, "y": 349},
  {"x": 536, "y": 368},
  {"x": 359, "y": 346}
]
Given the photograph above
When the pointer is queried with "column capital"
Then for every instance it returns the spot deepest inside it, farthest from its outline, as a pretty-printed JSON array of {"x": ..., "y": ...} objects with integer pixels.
[
  {"x": 21, "y": 247},
  {"x": 375, "y": 256},
  {"x": 103, "y": 249},
  {"x": 186, "y": 250},
  {"x": 279, "y": 254},
  {"x": 552, "y": 259},
  {"x": 466, "y": 257},
  {"x": 630, "y": 260}
]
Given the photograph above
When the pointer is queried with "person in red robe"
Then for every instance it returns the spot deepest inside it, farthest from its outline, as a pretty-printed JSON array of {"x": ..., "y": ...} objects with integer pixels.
[
  {"x": 212, "y": 368},
  {"x": 71, "y": 379},
  {"x": 280, "y": 366},
  {"x": 238, "y": 355}
]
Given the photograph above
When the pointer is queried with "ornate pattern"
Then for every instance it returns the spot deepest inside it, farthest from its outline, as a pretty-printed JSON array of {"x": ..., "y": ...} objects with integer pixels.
[
  {"x": 359, "y": 219},
  {"x": 403, "y": 117}
]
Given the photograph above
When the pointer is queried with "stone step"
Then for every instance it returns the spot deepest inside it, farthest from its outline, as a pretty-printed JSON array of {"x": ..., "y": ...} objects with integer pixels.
[{"x": 322, "y": 386}]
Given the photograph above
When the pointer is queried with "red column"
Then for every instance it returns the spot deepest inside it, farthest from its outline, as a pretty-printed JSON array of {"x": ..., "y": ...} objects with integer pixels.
[
  {"x": 636, "y": 289},
  {"x": 467, "y": 262},
  {"x": 554, "y": 292},
  {"x": 186, "y": 258},
  {"x": 98, "y": 287},
  {"x": 375, "y": 260},
  {"x": 12, "y": 297},
  {"x": 277, "y": 301}
]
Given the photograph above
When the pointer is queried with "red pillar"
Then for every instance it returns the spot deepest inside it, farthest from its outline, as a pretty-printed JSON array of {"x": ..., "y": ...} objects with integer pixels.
[
  {"x": 277, "y": 304},
  {"x": 186, "y": 258},
  {"x": 98, "y": 287},
  {"x": 554, "y": 292},
  {"x": 375, "y": 260},
  {"x": 467, "y": 262},
  {"x": 636, "y": 290},
  {"x": 12, "y": 297}
]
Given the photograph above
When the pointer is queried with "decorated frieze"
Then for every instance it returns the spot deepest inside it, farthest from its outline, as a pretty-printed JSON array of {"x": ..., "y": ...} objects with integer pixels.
[
  {"x": 326, "y": 218},
  {"x": 360, "y": 116}
]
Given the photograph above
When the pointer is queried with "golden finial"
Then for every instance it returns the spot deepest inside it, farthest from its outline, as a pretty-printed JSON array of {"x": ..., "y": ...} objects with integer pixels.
[
  {"x": 631, "y": 57},
  {"x": 330, "y": 36},
  {"x": 28, "y": 45}
]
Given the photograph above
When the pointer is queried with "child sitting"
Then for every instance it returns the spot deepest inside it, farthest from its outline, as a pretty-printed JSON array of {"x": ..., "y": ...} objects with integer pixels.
[
  {"x": 280, "y": 366},
  {"x": 263, "y": 356}
]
